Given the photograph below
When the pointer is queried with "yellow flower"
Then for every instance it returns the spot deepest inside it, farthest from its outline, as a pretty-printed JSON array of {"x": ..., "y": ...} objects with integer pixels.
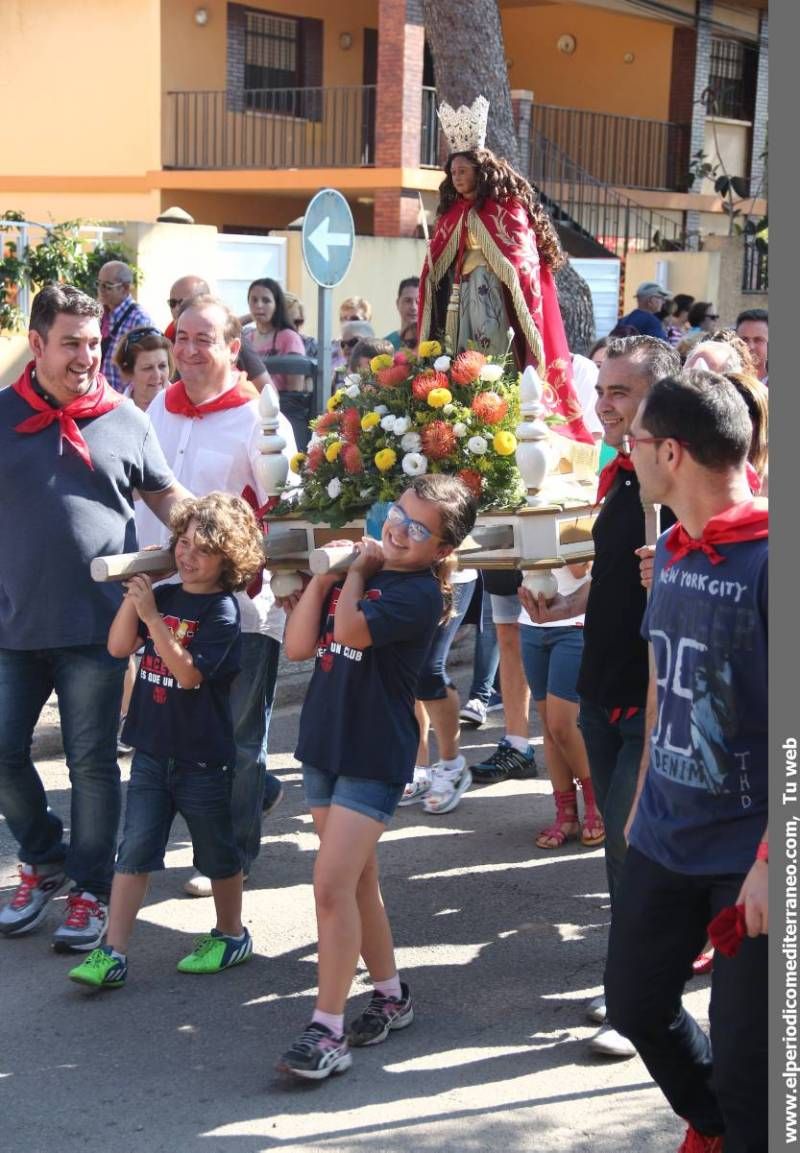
[
  {"x": 297, "y": 462},
  {"x": 504, "y": 443},
  {"x": 332, "y": 451},
  {"x": 370, "y": 420},
  {"x": 382, "y": 361},
  {"x": 429, "y": 348},
  {"x": 385, "y": 459},
  {"x": 335, "y": 400},
  {"x": 439, "y": 397}
]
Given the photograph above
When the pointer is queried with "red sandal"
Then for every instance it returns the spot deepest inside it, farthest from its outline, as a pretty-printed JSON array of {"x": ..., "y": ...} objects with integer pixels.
[
  {"x": 593, "y": 831},
  {"x": 566, "y": 826}
]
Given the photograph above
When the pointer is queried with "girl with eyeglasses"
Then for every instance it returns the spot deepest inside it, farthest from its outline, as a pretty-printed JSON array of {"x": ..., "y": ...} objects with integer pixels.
[{"x": 370, "y": 634}]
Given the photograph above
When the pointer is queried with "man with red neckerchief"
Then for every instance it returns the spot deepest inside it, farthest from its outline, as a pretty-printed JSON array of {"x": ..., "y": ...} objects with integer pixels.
[
  {"x": 209, "y": 428},
  {"x": 697, "y": 830},
  {"x": 72, "y": 452}
]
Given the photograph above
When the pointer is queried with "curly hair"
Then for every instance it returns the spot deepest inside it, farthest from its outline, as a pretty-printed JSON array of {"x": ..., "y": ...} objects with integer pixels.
[
  {"x": 497, "y": 180},
  {"x": 225, "y": 525},
  {"x": 728, "y": 336}
]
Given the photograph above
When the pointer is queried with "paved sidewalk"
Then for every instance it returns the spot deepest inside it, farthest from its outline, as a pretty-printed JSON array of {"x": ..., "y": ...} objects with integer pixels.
[{"x": 502, "y": 943}]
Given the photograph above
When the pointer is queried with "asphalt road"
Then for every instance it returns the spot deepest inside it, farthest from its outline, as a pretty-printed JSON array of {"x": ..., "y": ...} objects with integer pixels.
[{"x": 502, "y": 944}]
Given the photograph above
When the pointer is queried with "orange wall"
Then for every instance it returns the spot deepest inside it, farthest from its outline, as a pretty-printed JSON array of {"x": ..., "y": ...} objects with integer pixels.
[
  {"x": 71, "y": 75},
  {"x": 253, "y": 211},
  {"x": 195, "y": 58},
  {"x": 595, "y": 76}
]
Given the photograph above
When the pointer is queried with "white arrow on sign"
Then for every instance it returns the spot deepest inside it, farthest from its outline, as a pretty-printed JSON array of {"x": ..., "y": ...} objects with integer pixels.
[{"x": 323, "y": 239}]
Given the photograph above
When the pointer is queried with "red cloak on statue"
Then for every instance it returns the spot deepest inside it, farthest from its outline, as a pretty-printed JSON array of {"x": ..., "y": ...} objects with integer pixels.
[{"x": 508, "y": 243}]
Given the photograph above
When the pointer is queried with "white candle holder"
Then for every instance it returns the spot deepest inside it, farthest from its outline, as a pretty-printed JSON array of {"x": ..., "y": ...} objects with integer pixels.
[
  {"x": 533, "y": 438},
  {"x": 272, "y": 466}
]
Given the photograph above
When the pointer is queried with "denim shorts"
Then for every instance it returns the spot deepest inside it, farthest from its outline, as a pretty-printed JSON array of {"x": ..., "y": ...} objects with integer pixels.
[
  {"x": 505, "y": 609},
  {"x": 552, "y": 657},
  {"x": 159, "y": 788},
  {"x": 375, "y": 799}
]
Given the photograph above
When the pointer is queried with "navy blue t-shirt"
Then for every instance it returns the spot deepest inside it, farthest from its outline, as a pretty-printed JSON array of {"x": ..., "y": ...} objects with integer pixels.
[
  {"x": 358, "y": 716},
  {"x": 190, "y": 724},
  {"x": 703, "y": 808},
  {"x": 647, "y": 323}
]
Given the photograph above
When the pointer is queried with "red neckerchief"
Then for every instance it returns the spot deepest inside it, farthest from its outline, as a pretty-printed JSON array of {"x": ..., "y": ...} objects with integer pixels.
[
  {"x": 740, "y": 522},
  {"x": 98, "y": 401},
  {"x": 260, "y": 511},
  {"x": 177, "y": 401},
  {"x": 728, "y": 929},
  {"x": 753, "y": 480},
  {"x": 609, "y": 474}
]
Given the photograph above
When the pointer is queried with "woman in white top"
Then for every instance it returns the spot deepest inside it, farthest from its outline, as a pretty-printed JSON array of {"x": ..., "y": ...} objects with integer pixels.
[{"x": 552, "y": 654}]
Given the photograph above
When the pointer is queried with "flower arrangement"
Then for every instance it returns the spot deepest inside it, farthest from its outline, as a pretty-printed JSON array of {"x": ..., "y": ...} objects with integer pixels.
[{"x": 410, "y": 414}]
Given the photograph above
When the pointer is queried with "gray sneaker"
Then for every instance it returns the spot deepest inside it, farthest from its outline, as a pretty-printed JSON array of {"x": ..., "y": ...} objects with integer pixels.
[
  {"x": 84, "y": 925},
  {"x": 38, "y": 884}
]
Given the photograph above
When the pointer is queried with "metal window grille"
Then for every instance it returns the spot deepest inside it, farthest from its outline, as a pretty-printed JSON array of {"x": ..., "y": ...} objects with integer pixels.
[
  {"x": 271, "y": 54},
  {"x": 732, "y": 77}
]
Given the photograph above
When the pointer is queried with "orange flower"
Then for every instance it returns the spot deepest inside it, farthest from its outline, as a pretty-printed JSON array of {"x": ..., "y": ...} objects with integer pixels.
[
  {"x": 391, "y": 377},
  {"x": 351, "y": 425},
  {"x": 466, "y": 368},
  {"x": 438, "y": 439},
  {"x": 316, "y": 455},
  {"x": 327, "y": 422},
  {"x": 426, "y": 382},
  {"x": 489, "y": 407},
  {"x": 472, "y": 479},
  {"x": 353, "y": 461}
]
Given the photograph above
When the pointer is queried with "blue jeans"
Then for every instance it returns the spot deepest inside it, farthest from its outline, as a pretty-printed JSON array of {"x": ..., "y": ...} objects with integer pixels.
[
  {"x": 657, "y": 929},
  {"x": 89, "y": 686},
  {"x": 487, "y": 656},
  {"x": 615, "y": 753},
  {"x": 252, "y": 694},
  {"x": 433, "y": 681},
  {"x": 159, "y": 788}
]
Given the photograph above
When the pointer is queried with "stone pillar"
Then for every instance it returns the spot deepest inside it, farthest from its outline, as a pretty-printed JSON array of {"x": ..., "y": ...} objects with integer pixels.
[
  {"x": 702, "y": 69},
  {"x": 398, "y": 114},
  {"x": 758, "y": 175},
  {"x": 521, "y": 110}
]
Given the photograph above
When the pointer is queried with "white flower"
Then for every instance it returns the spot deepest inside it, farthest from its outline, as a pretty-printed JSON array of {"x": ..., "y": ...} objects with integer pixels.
[
  {"x": 460, "y": 429},
  {"x": 448, "y": 408},
  {"x": 491, "y": 373},
  {"x": 401, "y": 425},
  {"x": 411, "y": 442},
  {"x": 442, "y": 364},
  {"x": 388, "y": 423},
  {"x": 334, "y": 488},
  {"x": 352, "y": 391},
  {"x": 415, "y": 464},
  {"x": 381, "y": 409},
  {"x": 365, "y": 492},
  {"x": 477, "y": 445},
  {"x": 353, "y": 379}
]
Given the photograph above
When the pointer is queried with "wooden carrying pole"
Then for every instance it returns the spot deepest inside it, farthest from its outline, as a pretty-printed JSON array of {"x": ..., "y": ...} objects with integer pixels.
[{"x": 128, "y": 564}]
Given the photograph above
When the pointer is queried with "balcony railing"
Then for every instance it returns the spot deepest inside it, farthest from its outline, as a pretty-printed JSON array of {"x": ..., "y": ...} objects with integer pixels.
[
  {"x": 270, "y": 128},
  {"x": 623, "y": 150}
]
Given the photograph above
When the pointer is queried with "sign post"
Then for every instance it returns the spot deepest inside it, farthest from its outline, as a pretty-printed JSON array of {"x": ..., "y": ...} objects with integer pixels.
[{"x": 328, "y": 241}]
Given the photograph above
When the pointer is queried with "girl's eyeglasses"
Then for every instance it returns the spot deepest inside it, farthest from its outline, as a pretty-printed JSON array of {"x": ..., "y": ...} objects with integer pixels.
[{"x": 416, "y": 530}]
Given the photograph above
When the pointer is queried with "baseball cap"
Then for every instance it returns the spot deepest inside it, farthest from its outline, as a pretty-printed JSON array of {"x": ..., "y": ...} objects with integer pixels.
[{"x": 650, "y": 288}]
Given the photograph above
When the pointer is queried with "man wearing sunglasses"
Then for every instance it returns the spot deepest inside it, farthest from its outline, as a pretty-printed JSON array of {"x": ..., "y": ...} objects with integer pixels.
[{"x": 121, "y": 313}]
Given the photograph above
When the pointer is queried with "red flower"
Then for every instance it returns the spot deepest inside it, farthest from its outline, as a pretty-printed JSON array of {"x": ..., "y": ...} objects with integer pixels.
[
  {"x": 316, "y": 455},
  {"x": 391, "y": 377},
  {"x": 466, "y": 368},
  {"x": 400, "y": 358},
  {"x": 438, "y": 439},
  {"x": 472, "y": 479},
  {"x": 353, "y": 461},
  {"x": 327, "y": 422},
  {"x": 489, "y": 407},
  {"x": 351, "y": 425},
  {"x": 426, "y": 382}
]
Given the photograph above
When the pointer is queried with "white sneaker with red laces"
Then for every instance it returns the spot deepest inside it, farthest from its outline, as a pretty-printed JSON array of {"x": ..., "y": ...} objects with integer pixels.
[
  {"x": 38, "y": 884},
  {"x": 84, "y": 925}
]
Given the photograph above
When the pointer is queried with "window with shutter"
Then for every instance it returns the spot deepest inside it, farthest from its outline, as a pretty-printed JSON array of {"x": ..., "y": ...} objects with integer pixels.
[{"x": 274, "y": 62}]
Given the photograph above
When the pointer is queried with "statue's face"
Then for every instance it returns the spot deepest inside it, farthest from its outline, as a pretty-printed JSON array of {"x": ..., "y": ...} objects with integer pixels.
[{"x": 464, "y": 176}]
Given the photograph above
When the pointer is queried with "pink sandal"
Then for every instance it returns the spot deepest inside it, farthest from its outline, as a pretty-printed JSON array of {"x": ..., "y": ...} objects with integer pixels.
[
  {"x": 593, "y": 831},
  {"x": 566, "y": 826}
]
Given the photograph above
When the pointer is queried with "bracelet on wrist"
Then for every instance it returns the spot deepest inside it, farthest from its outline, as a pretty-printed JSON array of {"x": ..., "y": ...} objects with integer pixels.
[{"x": 762, "y": 852}]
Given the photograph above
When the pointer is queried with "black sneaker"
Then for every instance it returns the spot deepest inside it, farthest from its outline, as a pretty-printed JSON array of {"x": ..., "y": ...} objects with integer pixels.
[
  {"x": 381, "y": 1016},
  {"x": 506, "y": 763},
  {"x": 316, "y": 1054}
]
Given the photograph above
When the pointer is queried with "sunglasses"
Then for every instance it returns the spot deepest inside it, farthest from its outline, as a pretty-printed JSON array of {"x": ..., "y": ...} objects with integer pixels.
[
  {"x": 140, "y": 333},
  {"x": 350, "y": 343},
  {"x": 417, "y": 531},
  {"x": 108, "y": 285},
  {"x": 173, "y": 303},
  {"x": 712, "y": 316}
]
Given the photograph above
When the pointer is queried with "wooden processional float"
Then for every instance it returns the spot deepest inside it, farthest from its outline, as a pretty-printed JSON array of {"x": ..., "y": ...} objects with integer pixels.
[{"x": 552, "y": 528}]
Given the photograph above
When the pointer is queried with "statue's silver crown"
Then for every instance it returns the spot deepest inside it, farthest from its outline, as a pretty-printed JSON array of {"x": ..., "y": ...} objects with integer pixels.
[{"x": 465, "y": 128}]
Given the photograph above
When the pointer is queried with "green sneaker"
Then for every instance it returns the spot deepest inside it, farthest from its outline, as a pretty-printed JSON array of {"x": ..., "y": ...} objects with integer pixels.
[
  {"x": 216, "y": 952},
  {"x": 101, "y": 970}
]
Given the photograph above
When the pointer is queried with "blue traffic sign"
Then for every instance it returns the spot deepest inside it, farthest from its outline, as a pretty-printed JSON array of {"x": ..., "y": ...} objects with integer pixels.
[{"x": 328, "y": 238}]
